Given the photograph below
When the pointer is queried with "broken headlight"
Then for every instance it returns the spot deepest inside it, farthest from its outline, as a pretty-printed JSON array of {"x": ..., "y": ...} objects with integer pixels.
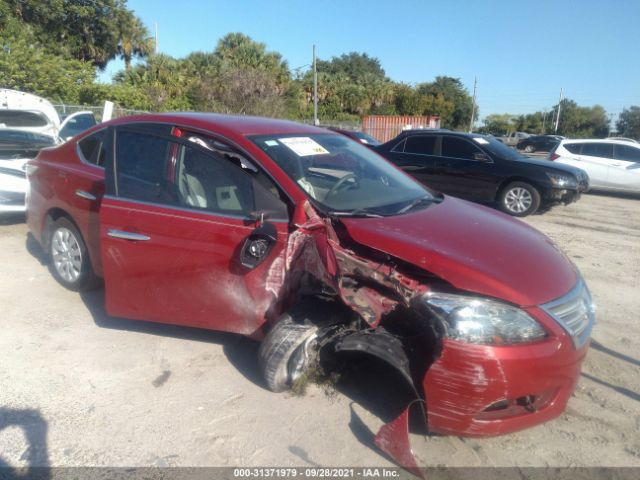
[{"x": 483, "y": 321}]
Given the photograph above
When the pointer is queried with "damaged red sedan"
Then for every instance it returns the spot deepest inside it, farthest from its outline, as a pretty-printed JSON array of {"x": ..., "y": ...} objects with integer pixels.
[{"x": 310, "y": 242}]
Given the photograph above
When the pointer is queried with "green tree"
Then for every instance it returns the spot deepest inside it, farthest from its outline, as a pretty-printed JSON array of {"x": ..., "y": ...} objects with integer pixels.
[
  {"x": 85, "y": 30},
  {"x": 582, "y": 122},
  {"x": 356, "y": 66},
  {"x": 452, "y": 90},
  {"x": 628, "y": 124},
  {"x": 26, "y": 66},
  {"x": 134, "y": 39},
  {"x": 408, "y": 101},
  {"x": 499, "y": 123}
]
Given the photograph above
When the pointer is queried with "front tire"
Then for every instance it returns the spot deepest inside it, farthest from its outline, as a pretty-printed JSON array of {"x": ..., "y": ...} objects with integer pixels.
[
  {"x": 519, "y": 199},
  {"x": 529, "y": 149},
  {"x": 287, "y": 351},
  {"x": 69, "y": 260}
]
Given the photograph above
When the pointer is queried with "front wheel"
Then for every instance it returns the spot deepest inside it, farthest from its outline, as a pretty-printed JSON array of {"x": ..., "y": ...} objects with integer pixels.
[
  {"x": 70, "y": 264},
  {"x": 519, "y": 199},
  {"x": 529, "y": 149},
  {"x": 287, "y": 351}
]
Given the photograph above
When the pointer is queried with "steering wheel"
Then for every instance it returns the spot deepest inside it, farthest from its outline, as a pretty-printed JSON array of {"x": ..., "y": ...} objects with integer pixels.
[{"x": 338, "y": 185}]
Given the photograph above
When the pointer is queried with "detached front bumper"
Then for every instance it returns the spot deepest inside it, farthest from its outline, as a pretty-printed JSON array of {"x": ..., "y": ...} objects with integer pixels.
[{"x": 477, "y": 390}]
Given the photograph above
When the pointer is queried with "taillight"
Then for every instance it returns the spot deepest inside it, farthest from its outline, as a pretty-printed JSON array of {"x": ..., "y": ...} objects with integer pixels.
[{"x": 553, "y": 156}]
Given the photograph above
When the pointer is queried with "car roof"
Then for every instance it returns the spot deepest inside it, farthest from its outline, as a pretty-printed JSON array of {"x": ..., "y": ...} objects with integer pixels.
[
  {"x": 601, "y": 140},
  {"x": 235, "y": 124}
]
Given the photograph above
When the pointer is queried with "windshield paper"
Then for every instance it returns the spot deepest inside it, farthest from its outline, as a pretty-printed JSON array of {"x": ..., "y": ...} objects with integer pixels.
[{"x": 303, "y": 146}]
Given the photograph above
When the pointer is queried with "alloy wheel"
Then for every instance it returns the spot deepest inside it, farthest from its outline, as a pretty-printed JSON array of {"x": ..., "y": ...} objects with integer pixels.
[
  {"x": 66, "y": 254},
  {"x": 518, "y": 200}
]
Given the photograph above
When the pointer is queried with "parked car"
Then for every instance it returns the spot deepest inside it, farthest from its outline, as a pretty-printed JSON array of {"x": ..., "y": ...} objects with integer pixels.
[
  {"x": 537, "y": 143},
  {"x": 612, "y": 165},
  {"x": 482, "y": 169},
  {"x": 513, "y": 138},
  {"x": 315, "y": 245},
  {"x": 27, "y": 124},
  {"x": 30, "y": 113},
  {"x": 357, "y": 136},
  {"x": 16, "y": 148}
]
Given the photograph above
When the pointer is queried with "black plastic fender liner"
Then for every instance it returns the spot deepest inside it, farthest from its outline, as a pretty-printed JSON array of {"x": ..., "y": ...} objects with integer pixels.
[{"x": 383, "y": 346}]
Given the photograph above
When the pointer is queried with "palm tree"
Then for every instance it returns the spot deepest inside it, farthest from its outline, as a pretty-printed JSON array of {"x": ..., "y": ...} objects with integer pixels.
[{"x": 135, "y": 40}]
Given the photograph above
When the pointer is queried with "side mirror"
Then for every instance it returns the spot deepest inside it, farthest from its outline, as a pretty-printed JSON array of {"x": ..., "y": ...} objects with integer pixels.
[
  {"x": 258, "y": 245},
  {"x": 482, "y": 157}
]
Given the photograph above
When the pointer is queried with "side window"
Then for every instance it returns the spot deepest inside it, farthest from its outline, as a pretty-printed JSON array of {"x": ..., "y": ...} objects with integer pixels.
[
  {"x": 573, "y": 147},
  {"x": 141, "y": 165},
  {"x": 422, "y": 144},
  {"x": 91, "y": 148},
  {"x": 604, "y": 150},
  {"x": 455, "y": 147},
  {"x": 77, "y": 124},
  {"x": 193, "y": 172},
  {"x": 399, "y": 147},
  {"x": 224, "y": 183},
  {"x": 629, "y": 154}
]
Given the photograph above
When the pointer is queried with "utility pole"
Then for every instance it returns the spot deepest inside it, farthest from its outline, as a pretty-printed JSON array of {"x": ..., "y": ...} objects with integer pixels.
[
  {"x": 544, "y": 118},
  {"x": 558, "y": 113},
  {"x": 155, "y": 49},
  {"x": 610, "y": 123},
  {"x": 315, "y": 89},
  {"x": 473, "y": 105}
]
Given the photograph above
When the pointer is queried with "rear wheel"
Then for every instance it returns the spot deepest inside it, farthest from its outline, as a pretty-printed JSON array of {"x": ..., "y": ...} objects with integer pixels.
[
  {"x": 519, "y": 199},
  {"x": 529, "y": 149},
  {"x": 70, "y": 264},
  {"x": 287, "y": 351}
]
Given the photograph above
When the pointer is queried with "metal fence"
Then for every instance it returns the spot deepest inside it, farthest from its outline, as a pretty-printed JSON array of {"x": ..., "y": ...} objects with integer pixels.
[{"x": 64, "y": 110}]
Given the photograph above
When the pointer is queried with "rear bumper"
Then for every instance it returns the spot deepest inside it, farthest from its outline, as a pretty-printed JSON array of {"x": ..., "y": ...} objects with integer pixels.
[{"x": 476, "y": 390}]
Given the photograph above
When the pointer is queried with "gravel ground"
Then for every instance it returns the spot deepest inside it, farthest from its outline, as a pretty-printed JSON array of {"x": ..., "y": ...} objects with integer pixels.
[{"x": 78, "y": 388}]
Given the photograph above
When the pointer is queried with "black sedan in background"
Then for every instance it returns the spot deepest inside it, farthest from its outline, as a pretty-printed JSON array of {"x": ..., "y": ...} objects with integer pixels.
[
  {"x": 539, "y": 143},
  {"x": 484, "y": 170}
]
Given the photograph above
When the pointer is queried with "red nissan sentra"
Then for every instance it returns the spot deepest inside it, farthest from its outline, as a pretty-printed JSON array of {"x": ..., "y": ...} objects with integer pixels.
[{"x": 310, "y": 242}]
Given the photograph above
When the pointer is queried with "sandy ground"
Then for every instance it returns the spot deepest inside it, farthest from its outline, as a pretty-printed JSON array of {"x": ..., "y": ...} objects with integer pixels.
[{"x": 80, "y": 388}]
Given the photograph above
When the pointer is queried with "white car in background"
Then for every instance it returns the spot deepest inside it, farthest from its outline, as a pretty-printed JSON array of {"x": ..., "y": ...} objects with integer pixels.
[
  {"x": 29, "y": 123},
  {"x": 612, "y": 165}
]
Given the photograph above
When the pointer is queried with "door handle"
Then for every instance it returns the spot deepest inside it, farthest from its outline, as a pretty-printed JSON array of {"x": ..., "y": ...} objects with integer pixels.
[
  {"x": 85, "y": 195},
  {"x": 133, "y": 236}
]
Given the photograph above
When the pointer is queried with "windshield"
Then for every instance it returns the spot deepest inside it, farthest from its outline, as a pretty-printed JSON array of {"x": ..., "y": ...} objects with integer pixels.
[
  {"x": 497, "y": 148},
  {"x": 342, "y": 176},
  {"x": 25, "y": 137}
]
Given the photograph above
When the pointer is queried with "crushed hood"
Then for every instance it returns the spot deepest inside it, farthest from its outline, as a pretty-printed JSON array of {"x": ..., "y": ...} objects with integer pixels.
[{"x": 474, "y": 248}]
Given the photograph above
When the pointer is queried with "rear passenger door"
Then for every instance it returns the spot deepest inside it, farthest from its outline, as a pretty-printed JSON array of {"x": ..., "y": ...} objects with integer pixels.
[
  {"x": 624, "y": 170},
  {"x": 460, "y": 173},
  {"x": 173, "y": 222},
  {"x": 594, "y": 158}
]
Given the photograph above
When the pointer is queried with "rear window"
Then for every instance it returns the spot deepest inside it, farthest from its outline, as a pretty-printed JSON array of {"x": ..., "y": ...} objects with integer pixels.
[
  {"x": 630, "y": 154},
  {"x": 20, "y": 118}
]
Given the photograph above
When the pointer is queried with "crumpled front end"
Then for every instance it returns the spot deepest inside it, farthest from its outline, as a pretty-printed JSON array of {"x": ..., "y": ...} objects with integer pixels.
[{"x": 464, "y": 382}]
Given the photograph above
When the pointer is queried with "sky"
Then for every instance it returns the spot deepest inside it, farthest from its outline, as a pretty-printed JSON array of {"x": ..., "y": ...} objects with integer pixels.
[{"x": 522, "y": 53}]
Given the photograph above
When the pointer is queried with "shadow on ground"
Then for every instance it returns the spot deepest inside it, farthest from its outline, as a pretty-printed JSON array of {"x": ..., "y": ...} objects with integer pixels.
[
  {"x": 12, "y": 218},
  {"x": 35, "y": 455}
]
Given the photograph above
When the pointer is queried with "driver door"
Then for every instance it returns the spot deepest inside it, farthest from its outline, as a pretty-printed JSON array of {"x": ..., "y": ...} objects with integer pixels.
[{"x": 173, "y": 223}]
